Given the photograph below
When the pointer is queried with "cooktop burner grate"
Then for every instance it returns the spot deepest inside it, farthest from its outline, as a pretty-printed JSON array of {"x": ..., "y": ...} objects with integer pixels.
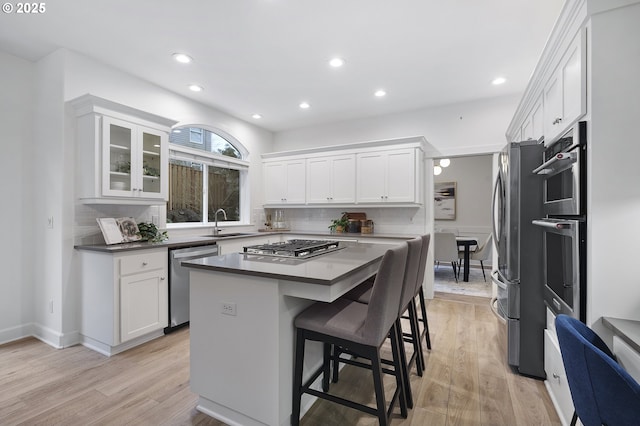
[{"x": 294, "y": 248}]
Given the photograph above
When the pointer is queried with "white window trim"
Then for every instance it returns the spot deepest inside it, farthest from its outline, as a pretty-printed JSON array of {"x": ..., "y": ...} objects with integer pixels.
[{"x": 218, "y": 160}]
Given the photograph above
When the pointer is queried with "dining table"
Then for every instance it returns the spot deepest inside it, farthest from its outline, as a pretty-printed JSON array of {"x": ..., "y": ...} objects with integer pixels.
[{"x": 466, "y": 243}]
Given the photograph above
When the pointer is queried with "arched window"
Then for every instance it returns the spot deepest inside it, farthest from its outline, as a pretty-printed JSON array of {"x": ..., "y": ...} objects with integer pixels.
[{"x": 207, "y": 171}]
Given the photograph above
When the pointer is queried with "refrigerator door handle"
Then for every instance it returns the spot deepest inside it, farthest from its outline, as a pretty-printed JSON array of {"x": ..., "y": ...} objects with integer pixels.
[
  {"x": 501, "y": 280},
  {"x": 496, "y": 237},
  {"x": 495, "y": 277}
]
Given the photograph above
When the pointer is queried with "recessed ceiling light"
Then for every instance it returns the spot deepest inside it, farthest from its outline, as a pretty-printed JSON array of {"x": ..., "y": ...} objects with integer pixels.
[
  {"x": 445, "y": 162},
  {"x": 380, "y": 93},
  {"x": 304, "y": 105},
  {"x": 195, "y": 88},
  {"x": 336, "y": 62},
  {"x": 498, "y": 80},
  {"x": 256, "y": 116},
  {"x": 182, "y": 58}
]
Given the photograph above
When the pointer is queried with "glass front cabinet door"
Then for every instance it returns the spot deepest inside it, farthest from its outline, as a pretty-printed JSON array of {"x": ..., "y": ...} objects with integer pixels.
[
  {"x": 134, "y": 160},
  {"x": 122, "y": 153}
]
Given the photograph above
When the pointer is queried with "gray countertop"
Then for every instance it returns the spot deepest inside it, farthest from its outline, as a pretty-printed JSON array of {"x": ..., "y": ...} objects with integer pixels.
[
  {"x": 627, "y": 330},
  {"x": 193, "y": 241},
  {"x": 325, "y": 269}
]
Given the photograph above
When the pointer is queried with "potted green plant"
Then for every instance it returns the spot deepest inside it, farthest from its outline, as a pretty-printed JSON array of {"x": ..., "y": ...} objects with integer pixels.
[
  {"x": 339, "y": 225},
  {"x": 150, "y": 232}
]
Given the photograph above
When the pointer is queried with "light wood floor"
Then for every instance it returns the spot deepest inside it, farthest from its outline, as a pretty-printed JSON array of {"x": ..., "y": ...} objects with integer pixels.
[{"x": 467, "y": 381}]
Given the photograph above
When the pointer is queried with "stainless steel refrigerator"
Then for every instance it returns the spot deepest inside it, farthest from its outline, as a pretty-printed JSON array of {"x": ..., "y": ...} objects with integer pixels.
[{"x": 517, "y": 201}]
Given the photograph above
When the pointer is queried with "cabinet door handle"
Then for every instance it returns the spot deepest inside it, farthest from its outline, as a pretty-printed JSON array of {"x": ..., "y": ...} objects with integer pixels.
[
  {"x": 557, "y": 120},
  {"x": 556, "y": 376},
  {"x": 161, "y": 278},
  {"x": 144, "y": 263}
]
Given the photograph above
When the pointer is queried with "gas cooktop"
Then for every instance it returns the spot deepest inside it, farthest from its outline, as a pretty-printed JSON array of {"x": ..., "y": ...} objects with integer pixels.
[{"x": 294, "y": 248}]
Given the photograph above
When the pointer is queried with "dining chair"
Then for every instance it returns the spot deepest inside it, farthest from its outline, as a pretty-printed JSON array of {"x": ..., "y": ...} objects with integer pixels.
[
  {"x": 363, "y": 328},
  {"x": 482, "y": 253},
  {"x": 603, "y": 393},
  {"x": 445, "y": 249}
]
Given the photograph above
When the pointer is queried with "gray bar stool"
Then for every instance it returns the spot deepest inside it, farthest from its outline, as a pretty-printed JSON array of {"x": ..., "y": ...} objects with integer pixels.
[
  {"x": 362, "y": 294},
  {"x": 363, "y": 329}
]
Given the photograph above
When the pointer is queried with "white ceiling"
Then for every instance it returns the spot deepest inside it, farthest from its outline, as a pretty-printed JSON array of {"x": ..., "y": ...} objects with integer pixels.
[{"x": 266, "y": 56}]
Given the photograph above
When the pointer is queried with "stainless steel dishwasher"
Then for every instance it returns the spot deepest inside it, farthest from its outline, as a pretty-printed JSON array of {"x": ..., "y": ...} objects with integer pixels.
[{"x": 179, "y": 283}]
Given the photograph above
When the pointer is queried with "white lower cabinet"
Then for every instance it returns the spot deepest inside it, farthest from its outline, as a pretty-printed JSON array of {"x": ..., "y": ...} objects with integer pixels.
[
  {"x": 124, "y": 298},
  {"x": 556, "y": 383}
]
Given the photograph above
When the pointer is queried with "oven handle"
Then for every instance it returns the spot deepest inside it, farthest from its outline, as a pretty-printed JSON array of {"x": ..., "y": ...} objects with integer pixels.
[
  {"x": 556, "y": 224},
  {"x": 558, "y": 163}
]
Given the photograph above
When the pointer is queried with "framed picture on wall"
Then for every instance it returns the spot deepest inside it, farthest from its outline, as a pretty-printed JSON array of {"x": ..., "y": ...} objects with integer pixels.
[{"x": 444, "y": 201}]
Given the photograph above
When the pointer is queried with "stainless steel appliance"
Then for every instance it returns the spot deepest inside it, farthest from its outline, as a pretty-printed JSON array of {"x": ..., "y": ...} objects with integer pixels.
[
  {"x": 565, "y": 174},
  {"x": 564, "y": 245},
  {"x": 294, "y": 248},
  {"x": 565, "y": 223},
  {"x": 517, "y": 201},
  {"x": 179, "y": 283}
]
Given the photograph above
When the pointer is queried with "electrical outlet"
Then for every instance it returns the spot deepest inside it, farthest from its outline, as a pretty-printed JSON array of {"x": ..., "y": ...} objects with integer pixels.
[
  {"x": 50, "y": 222},
  {"x": 228, "y": 308}
]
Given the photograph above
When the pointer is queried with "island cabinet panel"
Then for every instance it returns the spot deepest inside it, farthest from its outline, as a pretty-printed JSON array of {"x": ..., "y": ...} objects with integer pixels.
[
  {"x": 124, "y": 298},
  {"x": 122, "y": 153},
  {"x": 284, "y": 182},
  {"x": 387, "y": 177},
  {"x": 331, "y": 179}
]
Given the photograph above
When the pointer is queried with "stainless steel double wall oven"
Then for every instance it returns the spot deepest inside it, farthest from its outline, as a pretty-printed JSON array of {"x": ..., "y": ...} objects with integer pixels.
[{"x": 565, "y": 223}]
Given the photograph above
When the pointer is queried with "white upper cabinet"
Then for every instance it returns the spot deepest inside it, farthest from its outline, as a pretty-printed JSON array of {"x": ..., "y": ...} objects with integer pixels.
[
  {"x": 565, "y": 92},
  {"x": 122, "y": 155},
  {"x": 532, "y": 129},
  {"x": 284, "y": 182},
  {"x": 134, "y": 160},
  {"x": 387, "y": 177},
  {"x": 378, "y": 173},
  {"x": 331, "y": 179}
]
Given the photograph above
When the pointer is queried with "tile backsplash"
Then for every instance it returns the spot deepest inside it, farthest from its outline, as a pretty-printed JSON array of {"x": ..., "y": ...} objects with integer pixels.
[{"x": 86, "y": 229}]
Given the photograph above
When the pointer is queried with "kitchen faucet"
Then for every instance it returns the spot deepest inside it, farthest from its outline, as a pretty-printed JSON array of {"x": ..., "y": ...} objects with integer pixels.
[{"x": 216, "y": 231}]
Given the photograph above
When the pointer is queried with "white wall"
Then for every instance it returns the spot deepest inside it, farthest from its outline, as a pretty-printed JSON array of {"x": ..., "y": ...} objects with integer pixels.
[
  {"x": 474, "y": 189},
  {"x": 39, "y": 264},
  {"x": 16, "y": 178},
  {"x": 613, "y": 158},
  {"x": 469, "y": 128}
]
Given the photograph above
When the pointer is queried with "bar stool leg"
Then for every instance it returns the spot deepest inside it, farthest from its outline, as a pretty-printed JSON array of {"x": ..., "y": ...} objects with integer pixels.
[
  {"x": 403, "y": 362},
  {"x": 415, "y": 333},
  {"x": 400, "y": 368},
  {"x": 297, "y": 378},
  {"x": 424, "y": 318}
]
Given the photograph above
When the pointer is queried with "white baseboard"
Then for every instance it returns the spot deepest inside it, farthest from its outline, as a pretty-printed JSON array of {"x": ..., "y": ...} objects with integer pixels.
[
  {"x": 17, "y": 332},
  {"x": 45, "y": 334}
]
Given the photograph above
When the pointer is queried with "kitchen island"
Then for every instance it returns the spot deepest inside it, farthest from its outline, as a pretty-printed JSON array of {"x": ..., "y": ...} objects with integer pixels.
[{"x": 242, "y": 334}]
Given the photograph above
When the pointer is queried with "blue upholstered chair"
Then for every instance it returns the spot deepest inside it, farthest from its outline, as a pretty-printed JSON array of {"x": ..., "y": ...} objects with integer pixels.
[{"x": 603, "y": 392}]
